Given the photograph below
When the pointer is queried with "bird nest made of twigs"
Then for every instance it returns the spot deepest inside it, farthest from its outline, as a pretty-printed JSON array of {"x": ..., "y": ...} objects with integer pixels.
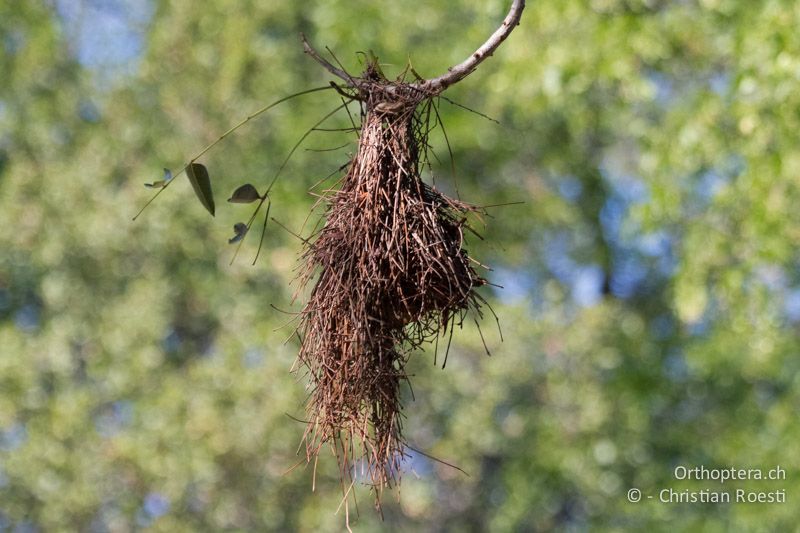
[{"x": 390, "y": 273}]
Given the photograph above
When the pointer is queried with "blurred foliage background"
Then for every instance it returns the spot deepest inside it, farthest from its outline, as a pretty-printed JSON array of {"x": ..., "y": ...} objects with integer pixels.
[{"x": 651, "y": 298}]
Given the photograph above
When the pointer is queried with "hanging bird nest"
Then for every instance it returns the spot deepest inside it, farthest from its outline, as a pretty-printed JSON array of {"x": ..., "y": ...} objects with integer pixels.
[{"x": 389, "y": 272}]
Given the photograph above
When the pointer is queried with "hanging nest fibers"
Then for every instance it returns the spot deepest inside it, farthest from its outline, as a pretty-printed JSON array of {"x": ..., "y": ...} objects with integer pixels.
[{"x": 389, "y": 273}]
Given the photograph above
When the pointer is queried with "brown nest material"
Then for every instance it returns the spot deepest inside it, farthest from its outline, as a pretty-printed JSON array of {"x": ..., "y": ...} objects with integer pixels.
[{"x": 390, "y": 273}]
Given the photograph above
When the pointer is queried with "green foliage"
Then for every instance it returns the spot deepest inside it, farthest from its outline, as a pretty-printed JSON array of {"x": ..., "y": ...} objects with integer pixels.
[
  {"x": 651, "y": 303},
  {"x": 244, "y": 194},
  {"x": 201, "y": 183}
]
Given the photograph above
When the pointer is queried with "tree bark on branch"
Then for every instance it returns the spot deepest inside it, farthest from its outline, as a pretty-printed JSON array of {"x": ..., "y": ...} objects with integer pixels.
[{"x": 454, "y": 74}]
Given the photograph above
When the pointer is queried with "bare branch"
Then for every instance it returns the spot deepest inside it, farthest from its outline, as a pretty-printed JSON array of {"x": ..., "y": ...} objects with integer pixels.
[
  {"x": 463, "y": 69},
  {"x": 307, "y": 48},
  {"x": 454, "y": 74}
]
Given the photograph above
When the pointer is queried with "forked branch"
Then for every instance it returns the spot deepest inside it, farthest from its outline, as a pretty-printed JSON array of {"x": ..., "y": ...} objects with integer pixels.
[
  {"x": 454, "y": 74},
  {"x": 307, "y": 48}
]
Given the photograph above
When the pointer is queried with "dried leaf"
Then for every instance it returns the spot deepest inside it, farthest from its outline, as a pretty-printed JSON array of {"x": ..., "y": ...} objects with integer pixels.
[
  {"x": 201, "y": 183},
  {"x": 239, "y": 230},
  {"x": 244, "y": 195},
  {"x": 161, "y": 183}
]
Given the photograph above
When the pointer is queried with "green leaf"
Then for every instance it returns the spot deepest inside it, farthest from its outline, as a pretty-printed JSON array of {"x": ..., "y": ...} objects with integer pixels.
[
  {"x": 244, "y": 195},
  {"x": 201, "y": 183}
]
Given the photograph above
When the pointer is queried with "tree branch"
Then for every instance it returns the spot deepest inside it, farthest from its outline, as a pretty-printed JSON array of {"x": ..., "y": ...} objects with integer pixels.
[
  {"x": 307, "y": 48},
  {"x": 466, "y": 67},
  {"x": 454, "y": 74}
]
